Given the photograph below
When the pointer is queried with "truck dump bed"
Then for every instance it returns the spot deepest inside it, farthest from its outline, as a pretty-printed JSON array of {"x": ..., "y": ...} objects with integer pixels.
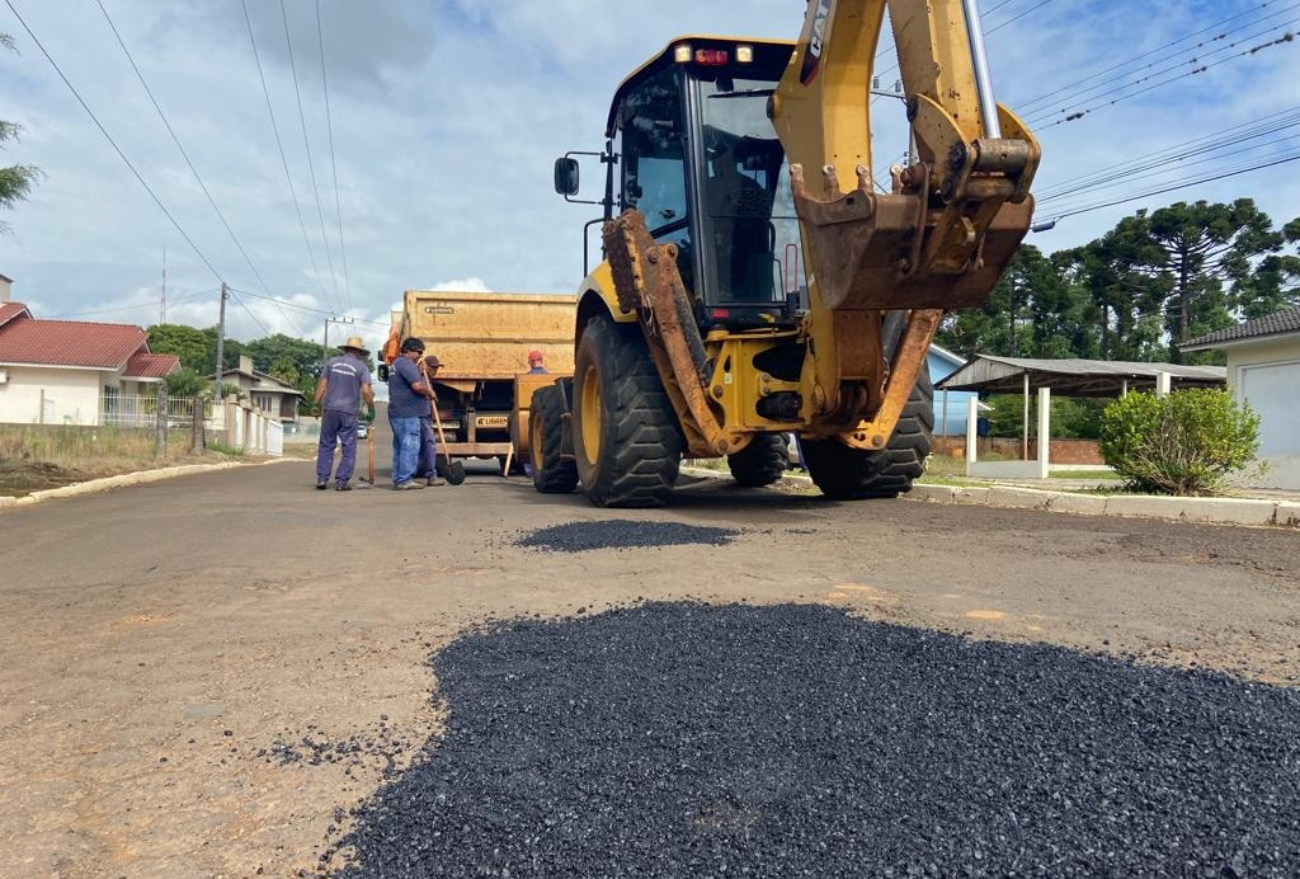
[
  {"x": 482, "y": 341},
  {"x": 488, "y": 335}
]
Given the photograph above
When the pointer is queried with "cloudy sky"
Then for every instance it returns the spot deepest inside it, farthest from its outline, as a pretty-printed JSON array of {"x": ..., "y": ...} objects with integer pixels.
[{"x": 447, "y": 116}]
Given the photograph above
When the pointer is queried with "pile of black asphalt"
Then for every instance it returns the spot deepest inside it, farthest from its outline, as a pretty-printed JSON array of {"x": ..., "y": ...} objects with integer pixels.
[
  {"x": 681, "y": 740},
  {"x": 622, "y": 534}
]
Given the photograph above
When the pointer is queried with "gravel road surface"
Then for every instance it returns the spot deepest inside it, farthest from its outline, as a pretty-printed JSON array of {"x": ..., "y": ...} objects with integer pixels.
[{"x": 205, "y": 677}]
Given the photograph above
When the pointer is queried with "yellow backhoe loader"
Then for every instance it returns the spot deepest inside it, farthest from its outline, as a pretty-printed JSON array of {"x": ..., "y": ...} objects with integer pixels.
[{"x": 755, "y": 284}]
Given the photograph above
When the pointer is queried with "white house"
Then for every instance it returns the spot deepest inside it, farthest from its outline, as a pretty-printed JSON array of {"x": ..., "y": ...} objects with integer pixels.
[
  {"x": 272, "y": 396},
  {"x": 1264, "y": 371},
  {"x": 74, "y": 372}
]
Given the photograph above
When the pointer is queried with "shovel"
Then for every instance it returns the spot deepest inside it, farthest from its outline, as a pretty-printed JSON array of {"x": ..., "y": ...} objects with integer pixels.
[{"x": 454, "y": 471}]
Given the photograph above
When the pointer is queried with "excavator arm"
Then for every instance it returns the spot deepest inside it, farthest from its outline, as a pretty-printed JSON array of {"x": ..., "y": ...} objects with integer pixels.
[{"x": 940, "y": 240}]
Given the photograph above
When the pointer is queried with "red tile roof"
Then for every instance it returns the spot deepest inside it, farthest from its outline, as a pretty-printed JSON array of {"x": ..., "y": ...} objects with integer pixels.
[
  {"x": 11, "y": 310},
  {"x": 145, "y": 365},
  {"x": 70, "y": 343}
]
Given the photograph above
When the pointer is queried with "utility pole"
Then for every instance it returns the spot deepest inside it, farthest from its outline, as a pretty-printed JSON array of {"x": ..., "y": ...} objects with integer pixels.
[
  {"x": 221, "y": 347},
  {"x": 325, "y": 346},
  {"x": 162, "y": 318}
]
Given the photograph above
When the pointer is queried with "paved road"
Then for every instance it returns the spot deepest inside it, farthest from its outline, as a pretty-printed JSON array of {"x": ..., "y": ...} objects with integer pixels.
[{"x": 165, "y": 642}]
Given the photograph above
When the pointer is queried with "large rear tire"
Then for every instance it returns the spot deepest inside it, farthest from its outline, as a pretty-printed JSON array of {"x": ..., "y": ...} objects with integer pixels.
[
  {"x": 845, "y": 473},
  {"x": 761, "y": 462},
  {"x": 551, "y": 473},
  {"x": 626, "y": 438}
]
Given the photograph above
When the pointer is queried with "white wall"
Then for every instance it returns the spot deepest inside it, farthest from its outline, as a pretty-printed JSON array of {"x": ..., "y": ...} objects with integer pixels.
[
  {"x": 1267, "y": 375},
  {"x": 71, "y": 396}
]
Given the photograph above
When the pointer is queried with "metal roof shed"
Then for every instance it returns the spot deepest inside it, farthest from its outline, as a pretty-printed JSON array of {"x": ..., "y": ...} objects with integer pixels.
[
  {"x": 1076, "y": 378},
  {"x": 1070, "y": 378}
]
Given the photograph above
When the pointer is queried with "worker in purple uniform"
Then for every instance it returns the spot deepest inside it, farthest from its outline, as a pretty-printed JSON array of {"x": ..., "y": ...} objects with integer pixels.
[{"x": 344, "y": 381}]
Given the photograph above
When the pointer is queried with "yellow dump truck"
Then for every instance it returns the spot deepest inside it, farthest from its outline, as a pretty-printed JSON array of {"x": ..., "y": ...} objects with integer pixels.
[{"x": 483, "y": 340}]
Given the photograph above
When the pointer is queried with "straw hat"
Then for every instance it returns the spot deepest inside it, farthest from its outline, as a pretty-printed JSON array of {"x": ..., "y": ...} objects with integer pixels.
[{"x": 354, "y": 343}]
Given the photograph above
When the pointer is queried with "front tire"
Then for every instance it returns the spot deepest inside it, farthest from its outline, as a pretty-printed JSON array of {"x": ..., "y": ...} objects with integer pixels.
[
  {"x": 551, "y": 473},
  {"x": 846, "y": 473},
  {"x": 761, "y": 462},
  {"x": 626, "y": 439}
]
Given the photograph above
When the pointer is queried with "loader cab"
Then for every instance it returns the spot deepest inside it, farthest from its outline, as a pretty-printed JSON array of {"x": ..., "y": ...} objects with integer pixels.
[{"x": 690, "y": 146}]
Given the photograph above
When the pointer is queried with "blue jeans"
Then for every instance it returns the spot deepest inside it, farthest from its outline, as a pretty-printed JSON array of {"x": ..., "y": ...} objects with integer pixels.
[
  {"x": 336, "y": 427},
  {"x": 406, "y": 448},
  {"x": 428, "y": 464}
]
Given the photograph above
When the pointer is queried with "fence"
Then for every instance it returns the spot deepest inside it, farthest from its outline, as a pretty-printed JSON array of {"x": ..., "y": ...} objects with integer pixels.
[
  {"x": 91, "y": 408},
  {"x": 236, "y": 424}
]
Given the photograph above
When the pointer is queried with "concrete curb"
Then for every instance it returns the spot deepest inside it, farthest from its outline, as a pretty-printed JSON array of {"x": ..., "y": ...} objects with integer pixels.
[
  {"x": 1216, "y": 511},
  {"x": 108, "y": 483}
]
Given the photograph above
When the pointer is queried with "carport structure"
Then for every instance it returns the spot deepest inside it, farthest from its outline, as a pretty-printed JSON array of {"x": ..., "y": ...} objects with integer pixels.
[{"x": 987, "y": 374}]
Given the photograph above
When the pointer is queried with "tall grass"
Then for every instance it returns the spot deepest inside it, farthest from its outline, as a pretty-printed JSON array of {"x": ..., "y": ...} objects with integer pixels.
[{"x": 88, "y": 449}]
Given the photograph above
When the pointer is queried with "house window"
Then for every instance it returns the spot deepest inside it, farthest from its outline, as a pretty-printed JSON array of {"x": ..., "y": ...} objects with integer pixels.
[
  {"x": 265, "y": 402},
  {"x": 110, "y": 404}
]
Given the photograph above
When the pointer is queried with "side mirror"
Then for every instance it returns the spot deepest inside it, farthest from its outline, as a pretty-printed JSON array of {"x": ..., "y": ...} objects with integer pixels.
[{"x": 566, "y": 176}]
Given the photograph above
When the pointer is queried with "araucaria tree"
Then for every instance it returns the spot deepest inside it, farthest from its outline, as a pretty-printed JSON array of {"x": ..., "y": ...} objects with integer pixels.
[{"x": 15, "y": 180}]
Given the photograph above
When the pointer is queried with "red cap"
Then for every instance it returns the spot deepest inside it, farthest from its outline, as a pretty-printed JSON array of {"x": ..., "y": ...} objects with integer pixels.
[{"x": 534, "y": 355}]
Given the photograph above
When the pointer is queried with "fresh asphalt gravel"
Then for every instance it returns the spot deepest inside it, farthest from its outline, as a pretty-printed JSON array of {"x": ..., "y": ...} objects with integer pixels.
[
  {"x": 795, "y": 740},
  {"x": 622, "y": 534}
]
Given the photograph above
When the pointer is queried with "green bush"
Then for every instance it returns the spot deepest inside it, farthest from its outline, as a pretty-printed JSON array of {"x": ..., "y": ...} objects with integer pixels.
[{"x": 1187, "y": 443}]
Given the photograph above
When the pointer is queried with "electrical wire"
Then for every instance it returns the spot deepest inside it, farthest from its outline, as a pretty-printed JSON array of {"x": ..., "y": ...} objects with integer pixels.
[
  {"x": 104, "y": 131},
  {"x": 1075, "y": 115},
  {"x": 1026, "y": 108},
  {"x": 1167, "y": 157},
  {"x": 280, "y": 145},
  {"x": 1061, "y": 215},
  {"x": 265, "y": 329},
  {"x": 307, "y": 309},
  {"x": 329, "y": 123},
  {"x": 188, "y": 297},
  {"x": 311, "y": 166},
  {"x": 181, "y": 148}
]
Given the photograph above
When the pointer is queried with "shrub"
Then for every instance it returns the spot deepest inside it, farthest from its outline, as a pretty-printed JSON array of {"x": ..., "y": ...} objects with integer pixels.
[{"x": 1187, "y": 443}]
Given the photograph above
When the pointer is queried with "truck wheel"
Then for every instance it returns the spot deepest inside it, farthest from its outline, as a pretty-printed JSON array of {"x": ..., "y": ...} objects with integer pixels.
[
  {"x": 551, "y": 473},
  {"x": 626, "y": 438},
  {"x": 761, "y": 462},
  {"x": 844, "y": 473}
]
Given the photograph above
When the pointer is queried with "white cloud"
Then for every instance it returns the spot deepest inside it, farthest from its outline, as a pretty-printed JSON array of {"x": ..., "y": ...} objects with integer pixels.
[{"x": 447, "y": 116}]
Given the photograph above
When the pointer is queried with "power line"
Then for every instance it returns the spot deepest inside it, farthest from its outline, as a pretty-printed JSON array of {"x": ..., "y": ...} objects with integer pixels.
[
  {"x": 179, "y": 146},
  {"x": 1165, "y": 158},
  {"x": 1015, "y": 18},
  {"x": 307, "y": 309},
  {"x": 118, "y": 149},
  {"x": 329, "y": 122},
  {"x": 249, "y": 312},
  {"x": 280, "y": 145},
  {"x": 1287, "y": 37},
  {"x": 1023, "y": 107},
  {"x": 311, "y": 166},
  {"x": 121, "y": 308},
  {"x": 1174, "y": 187}
]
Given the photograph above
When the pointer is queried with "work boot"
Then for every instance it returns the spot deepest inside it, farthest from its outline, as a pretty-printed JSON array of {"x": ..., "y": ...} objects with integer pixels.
[
  {"x": 322, "y": 485},
  {"x": 343, "y": 486},
  {"x": 437, "y": 480},
  {"x": 408, "y": 486}
]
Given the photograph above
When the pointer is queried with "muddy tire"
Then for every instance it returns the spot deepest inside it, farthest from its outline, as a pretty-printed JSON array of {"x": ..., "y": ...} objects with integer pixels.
[
  {"x": 761, "y": 462},
  {"x": 625, "y": 435},
  {"x": 855, "y": 474},
  {"x": 551, "y": 473}
]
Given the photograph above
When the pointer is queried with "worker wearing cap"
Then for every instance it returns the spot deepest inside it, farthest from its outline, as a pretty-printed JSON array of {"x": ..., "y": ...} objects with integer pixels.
[
  {"x": 409, "y": 396},
  {"x": 344, "y": 381},
  {"x": 535, "y": 363},
  {"x": 428, "y": 465}
]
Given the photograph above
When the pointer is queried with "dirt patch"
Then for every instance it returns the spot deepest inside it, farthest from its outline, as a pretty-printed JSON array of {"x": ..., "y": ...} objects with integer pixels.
[{"x": 19, "y": 478}]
